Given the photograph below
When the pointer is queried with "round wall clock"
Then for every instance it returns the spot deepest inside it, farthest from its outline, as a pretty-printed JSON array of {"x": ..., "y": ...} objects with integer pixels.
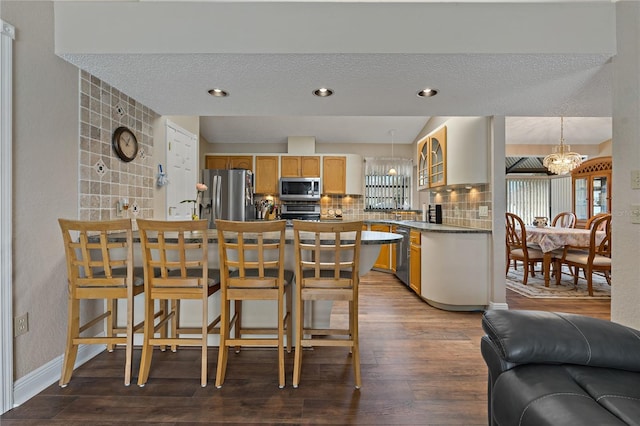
[{"x": 125, "y": 144}]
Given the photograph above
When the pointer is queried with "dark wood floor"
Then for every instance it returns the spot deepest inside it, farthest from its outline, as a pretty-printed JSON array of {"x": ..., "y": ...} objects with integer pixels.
[{"x": 420, "y": 365}]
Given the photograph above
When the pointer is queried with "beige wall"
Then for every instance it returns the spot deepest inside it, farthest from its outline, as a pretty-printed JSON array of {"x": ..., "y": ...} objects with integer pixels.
[
  {"x": 371, "y": 149},
  {"x": 525, "y": 150},
  {"x": 45, "y": 173}
]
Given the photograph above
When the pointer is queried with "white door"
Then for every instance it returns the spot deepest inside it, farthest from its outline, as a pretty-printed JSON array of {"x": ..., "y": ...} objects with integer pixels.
[{"x": 182, "y": 172}]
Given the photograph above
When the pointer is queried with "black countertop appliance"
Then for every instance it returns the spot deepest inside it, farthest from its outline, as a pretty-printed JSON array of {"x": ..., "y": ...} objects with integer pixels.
[{"x": 434, "y": 213}]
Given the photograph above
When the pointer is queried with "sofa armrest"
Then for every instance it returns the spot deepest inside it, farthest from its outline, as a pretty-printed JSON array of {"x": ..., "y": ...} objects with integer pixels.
[{"x": 523, "y": 337}]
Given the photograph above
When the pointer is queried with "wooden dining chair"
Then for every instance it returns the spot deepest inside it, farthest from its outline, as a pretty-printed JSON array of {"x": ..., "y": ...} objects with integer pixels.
[
  {"x": 99, "y": 267},
  {"x": 594, "y": 258},
  {"x": 564, "y": 220},
  {"x": 176, "y": 269},
  {"x": 327, "y": 269},
  {"x": 592, "y": 219},
  {"x": 517, "y": 249},
  {"x": 252, "y": 269}
]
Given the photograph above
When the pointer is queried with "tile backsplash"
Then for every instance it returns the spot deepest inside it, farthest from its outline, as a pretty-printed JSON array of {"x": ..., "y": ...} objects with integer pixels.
[
  {"x": 460, "y": 207},
  {"x": 104, "y": 178}
]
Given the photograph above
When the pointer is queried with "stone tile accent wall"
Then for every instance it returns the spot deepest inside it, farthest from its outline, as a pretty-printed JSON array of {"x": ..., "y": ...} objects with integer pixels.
[{"x": 104, "y": 178}]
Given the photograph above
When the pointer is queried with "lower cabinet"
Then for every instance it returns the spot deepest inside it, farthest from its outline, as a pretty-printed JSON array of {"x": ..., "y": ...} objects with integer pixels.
[
  {"x": 415, "y": 278},
  {"x": 455, "y": 275},
  {"x": 394, "y": 249},
  {"x": 384, "y": 258}
]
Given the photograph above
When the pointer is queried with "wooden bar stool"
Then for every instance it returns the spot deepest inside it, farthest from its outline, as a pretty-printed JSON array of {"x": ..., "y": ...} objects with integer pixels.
[
  {"x": 252, "y": 268},
  {"x": 175, "y": 256},
  {"x": 327, "y": 268},
  {"x": 99, "y": 269}
]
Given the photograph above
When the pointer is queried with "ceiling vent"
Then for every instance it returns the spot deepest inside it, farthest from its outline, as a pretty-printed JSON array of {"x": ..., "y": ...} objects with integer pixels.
[{"x": 301, "y": 145}]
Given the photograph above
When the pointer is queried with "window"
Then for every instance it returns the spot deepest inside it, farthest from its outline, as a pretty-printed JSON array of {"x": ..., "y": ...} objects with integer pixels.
[
  {"x": 384, "y": 191},
  {"x": 529, "y": 197}
]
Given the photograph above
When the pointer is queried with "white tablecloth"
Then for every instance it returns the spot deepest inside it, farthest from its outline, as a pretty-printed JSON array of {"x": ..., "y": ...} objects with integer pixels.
[{"x": 550, "y": 238}]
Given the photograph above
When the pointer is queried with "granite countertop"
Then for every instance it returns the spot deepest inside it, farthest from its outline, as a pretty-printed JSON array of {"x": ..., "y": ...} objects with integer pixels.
[
  {"x": 367, "y": 238},
  {"x": 430, "y": 227}
]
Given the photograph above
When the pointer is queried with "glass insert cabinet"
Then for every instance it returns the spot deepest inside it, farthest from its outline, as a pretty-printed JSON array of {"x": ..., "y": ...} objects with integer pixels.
[
  {"x": 591, "y": 189},
  {"x": 432, "y": 159}
]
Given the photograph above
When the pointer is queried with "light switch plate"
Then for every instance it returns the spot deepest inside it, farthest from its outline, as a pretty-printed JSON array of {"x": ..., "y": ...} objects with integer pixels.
[
  {"x": 635, "y": 179},
  {"x": 483, "y": 211},
  {"x": 635, "y": 213}
]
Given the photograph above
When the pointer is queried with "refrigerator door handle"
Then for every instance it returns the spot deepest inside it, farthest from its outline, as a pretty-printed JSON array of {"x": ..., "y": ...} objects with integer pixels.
[{"x": 217, "y": 202}]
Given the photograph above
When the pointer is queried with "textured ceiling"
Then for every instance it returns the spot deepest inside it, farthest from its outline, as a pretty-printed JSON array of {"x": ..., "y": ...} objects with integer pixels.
[{"x": 270, "y": 94}]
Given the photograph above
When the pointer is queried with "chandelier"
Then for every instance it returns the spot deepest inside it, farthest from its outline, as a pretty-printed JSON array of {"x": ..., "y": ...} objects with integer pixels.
[{"x": 562, "y": 160}]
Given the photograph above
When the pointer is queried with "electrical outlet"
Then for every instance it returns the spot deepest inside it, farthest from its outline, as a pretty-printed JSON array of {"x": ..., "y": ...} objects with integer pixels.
[
  {"x": 21, "y": 325},
  {"x": 635, "y": 213},
  {"x": 635, "y": 179},
  {"x": 483, "y": 211}
]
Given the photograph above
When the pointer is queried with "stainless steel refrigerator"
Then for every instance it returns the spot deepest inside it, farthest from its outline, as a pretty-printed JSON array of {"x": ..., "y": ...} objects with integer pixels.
[{"x": 229, "y": 195}]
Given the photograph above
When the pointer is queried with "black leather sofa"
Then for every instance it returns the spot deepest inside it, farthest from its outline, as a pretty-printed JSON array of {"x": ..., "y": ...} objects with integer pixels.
[{"x": 548, "y": 368}]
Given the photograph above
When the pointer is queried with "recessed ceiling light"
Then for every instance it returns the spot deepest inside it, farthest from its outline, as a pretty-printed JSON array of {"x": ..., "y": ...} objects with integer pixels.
[
  {"x": 218, "y": 93},
  {"x": 427, "y": 93},
  {"x": 323, "y": 92}
]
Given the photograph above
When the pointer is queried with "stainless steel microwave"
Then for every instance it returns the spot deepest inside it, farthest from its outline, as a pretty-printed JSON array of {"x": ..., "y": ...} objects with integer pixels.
[{"x": 300, "y": 189}]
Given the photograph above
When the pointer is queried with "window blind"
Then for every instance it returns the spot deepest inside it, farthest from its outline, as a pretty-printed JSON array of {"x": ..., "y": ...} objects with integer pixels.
[{"x": 384, "y": 191}]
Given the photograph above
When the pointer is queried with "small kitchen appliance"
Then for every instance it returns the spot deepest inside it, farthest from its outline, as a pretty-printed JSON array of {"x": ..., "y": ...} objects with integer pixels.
[{"x": 299, "y": 189}]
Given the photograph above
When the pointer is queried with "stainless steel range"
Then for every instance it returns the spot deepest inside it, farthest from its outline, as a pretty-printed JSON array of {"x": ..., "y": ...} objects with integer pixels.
[{"x": 301, "y": 211}]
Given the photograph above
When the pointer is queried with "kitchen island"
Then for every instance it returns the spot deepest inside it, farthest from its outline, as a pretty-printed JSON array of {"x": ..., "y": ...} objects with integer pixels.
[
  {"x": 259, "y": 313},
  {"x": 455, "y": 266}
]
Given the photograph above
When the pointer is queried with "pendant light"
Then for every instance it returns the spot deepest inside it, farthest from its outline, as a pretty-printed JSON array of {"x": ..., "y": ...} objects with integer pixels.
[
  {"x": 392, "y": 171},
  {"x": 562, "y": 160}
]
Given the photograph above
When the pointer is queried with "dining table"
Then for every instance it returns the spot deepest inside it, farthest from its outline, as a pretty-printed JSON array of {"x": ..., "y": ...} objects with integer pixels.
[{"x": 552, "y": 238}]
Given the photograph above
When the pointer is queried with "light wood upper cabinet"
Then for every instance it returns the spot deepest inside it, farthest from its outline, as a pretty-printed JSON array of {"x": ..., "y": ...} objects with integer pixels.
[
  {"x": 438, "y": 158},
  {"x": 216, "y": 162},
  {"x": 423, "y": 164},
  {"x": 432, "y": 159},
  {"x": 266, "y": 176},
  {"x": 241, "y": 162},
  {"x": 296, "y": 166},
  {"x": 229, "y": 162},
  {"x": 334, "y": 175},
  {"x": 457, "y": 153},
  {"x": 310, "y": 166}
]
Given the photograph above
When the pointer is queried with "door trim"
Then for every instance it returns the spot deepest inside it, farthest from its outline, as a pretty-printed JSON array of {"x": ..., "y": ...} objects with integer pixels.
[{"x": 7, "y": 34}]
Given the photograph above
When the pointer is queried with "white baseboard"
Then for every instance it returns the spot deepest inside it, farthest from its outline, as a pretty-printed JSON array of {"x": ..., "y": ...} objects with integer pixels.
[
  {"x": 498, "y": 306},
  {"x": 38, "y": 380}
]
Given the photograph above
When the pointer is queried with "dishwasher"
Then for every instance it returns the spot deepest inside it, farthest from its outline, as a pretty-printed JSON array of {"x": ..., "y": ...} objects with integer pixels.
[{"x": 403, "y": 253}]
